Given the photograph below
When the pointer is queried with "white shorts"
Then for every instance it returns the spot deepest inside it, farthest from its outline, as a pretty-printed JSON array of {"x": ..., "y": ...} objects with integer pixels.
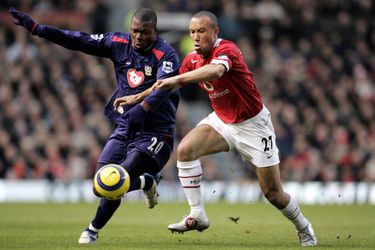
[{"x": 254, "y": 139}]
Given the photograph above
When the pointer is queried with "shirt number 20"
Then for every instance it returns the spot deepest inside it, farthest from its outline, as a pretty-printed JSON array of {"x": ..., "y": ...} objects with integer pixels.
[{"x": 155, "y": 146}]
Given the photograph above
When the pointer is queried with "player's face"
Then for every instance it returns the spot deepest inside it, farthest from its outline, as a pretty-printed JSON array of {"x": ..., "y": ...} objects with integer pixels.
[
  {"x": 203, "y": 34},
  {"x": 143, "y": 34}
]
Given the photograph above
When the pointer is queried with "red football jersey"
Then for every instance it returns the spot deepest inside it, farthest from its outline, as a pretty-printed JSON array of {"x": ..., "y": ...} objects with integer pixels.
[{"x": 234, "y": 96}]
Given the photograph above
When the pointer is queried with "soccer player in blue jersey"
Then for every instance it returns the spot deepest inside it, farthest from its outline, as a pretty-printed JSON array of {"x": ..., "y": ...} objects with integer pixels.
[{"x": 142, "y": 139}]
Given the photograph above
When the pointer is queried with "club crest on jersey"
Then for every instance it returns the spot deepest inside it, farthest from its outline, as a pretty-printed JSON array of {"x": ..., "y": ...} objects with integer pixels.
[
  {"x": 148, "y": 70},
  {"x": 135, "y": 78}
]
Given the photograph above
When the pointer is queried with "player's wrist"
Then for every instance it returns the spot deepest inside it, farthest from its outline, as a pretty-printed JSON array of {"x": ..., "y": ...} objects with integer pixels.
[
  {"x": 33, "y": 28},
  {"x": 37, "y": 29}
]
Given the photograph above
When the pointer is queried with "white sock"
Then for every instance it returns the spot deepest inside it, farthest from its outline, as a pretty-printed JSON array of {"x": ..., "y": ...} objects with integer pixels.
[
  {"x": 294, "y": 214},
  {"x": 92, "y": 228},
  {"x": 190, "y": 174}
]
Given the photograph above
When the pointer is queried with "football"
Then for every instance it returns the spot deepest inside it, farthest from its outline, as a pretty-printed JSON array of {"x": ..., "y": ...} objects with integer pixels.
[{"x": 111, "y": 182}]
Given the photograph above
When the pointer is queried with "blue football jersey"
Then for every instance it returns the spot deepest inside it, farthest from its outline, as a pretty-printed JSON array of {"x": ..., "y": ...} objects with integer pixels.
[{"x": 135, "y": 71}]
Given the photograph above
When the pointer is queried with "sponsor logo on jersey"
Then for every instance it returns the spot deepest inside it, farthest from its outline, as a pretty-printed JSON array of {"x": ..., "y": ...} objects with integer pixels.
[
  {"x": 167, "y": 67},
  {"x": 215, "y": 95},
  {"x": 193, "y": 61},
  {"x": 208, "y": 86},
  {"x": 135, "y": 78},
  {"x": 148, "y": 70}
]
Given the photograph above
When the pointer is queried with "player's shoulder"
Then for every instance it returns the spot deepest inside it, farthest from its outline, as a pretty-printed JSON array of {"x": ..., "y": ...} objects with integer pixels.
[
  {"x": 225, "y": 44},
  {"x": 192, "y": 55},
  {"x": 162, "y": 48},
  {"x": 162, "y": 45},
  {"x": 226, "y": 47},
  {"x": 120, "y": 37}
]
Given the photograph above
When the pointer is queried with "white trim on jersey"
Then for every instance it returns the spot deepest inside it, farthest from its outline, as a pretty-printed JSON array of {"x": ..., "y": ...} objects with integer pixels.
[
  {"x": 224, "y": 62},
  {"x": 217, "y": 42}
]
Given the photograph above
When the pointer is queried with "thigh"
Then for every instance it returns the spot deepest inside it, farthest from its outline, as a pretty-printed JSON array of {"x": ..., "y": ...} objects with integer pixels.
[
  {"x": 113, "y": 152},
  {"x": 138, "y": 163},
  {"x": 148, "y": 154},
  {"x": 255, "y": 140},
  {"x": 203, "y": 140}
]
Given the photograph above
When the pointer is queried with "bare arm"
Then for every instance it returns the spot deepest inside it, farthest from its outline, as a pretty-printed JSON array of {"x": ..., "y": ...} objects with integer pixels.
[
  {"x": 206, "y": 73},
  {"x": 132, "y": 99}
]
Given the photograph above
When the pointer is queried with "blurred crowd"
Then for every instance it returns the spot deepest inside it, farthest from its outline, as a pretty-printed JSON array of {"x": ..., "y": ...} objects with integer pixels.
[{"x": 313, "y": 61}]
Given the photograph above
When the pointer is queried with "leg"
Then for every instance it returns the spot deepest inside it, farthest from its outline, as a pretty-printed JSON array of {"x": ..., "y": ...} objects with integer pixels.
[
  {"x": 145, "y": 157},
  {"x": 137, "y": 164},
  {"x": 144, "y": 170},
  {"x": 113, "y": 152},
  {"x": 202, "y": 140},
  {"x": 104, "y": 212},
  {"x": 270, "y": 183}
]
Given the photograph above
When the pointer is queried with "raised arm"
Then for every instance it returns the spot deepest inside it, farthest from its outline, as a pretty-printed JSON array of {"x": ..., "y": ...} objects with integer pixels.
[{"x": 74, "y": 40}]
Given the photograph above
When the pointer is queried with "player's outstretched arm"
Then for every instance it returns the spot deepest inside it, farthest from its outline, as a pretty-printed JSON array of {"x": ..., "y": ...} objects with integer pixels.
[
  {"x": 208, "y": 72},
  {"x": 132, "y": 99},
  {"x": 74, "y": 40},
  {"x": 24, "y": 20}
]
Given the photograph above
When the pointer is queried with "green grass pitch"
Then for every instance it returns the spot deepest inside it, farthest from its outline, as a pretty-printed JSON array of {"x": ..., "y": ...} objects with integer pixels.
[{"x": 260, "y": 226}]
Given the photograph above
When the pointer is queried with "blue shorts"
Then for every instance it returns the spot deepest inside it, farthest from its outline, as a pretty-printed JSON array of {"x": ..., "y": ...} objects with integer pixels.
[{"x": 147, "y": 153}]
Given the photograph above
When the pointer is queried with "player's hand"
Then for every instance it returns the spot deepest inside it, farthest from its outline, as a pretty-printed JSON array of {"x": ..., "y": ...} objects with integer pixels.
[
  {"x": 167, "y": 84},
  {"x": 132, "y": 99},
  {"x": 23, "y": 19},
  {"x": 126, "y": 100},
  {"x": 136, "y": 118}
]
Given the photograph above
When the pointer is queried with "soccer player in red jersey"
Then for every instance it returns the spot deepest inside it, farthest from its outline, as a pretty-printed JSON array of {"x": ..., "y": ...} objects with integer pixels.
[{"x": 239, "y": 122}]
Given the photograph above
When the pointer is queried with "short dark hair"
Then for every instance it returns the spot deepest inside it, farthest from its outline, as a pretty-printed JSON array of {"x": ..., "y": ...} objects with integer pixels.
[
  {"x": 208, "y": 14},
  {"x": 146, "y": 15}
]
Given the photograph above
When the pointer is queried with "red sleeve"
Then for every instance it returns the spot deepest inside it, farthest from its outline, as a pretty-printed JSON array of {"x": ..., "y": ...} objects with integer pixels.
[
  {"x": 226, "y": 54},
  {"x": 186, "y": 65}
]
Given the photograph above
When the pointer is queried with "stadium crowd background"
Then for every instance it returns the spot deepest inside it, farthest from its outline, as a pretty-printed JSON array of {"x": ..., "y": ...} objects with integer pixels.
[{"x": 313, "y": 61}]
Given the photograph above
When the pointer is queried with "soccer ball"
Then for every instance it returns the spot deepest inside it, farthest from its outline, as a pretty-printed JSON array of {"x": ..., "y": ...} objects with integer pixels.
[{"x": 111, "y": 182}]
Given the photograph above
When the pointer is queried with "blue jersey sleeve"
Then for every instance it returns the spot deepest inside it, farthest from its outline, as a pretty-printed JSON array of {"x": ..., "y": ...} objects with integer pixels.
[
  {"x": 97, "y": 45},
  {"x": 168, "y": 66}
]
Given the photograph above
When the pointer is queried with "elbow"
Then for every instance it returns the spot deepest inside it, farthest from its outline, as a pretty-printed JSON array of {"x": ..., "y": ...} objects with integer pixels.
[{"x": 218, "y": 71}]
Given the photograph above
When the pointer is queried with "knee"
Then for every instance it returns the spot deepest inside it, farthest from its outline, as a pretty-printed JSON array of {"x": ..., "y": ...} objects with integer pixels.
[{"x": 185, "y": 152}]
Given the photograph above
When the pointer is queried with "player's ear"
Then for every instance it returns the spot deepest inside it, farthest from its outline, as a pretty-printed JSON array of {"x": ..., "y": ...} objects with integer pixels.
[{"x": 217, "y": 31}]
